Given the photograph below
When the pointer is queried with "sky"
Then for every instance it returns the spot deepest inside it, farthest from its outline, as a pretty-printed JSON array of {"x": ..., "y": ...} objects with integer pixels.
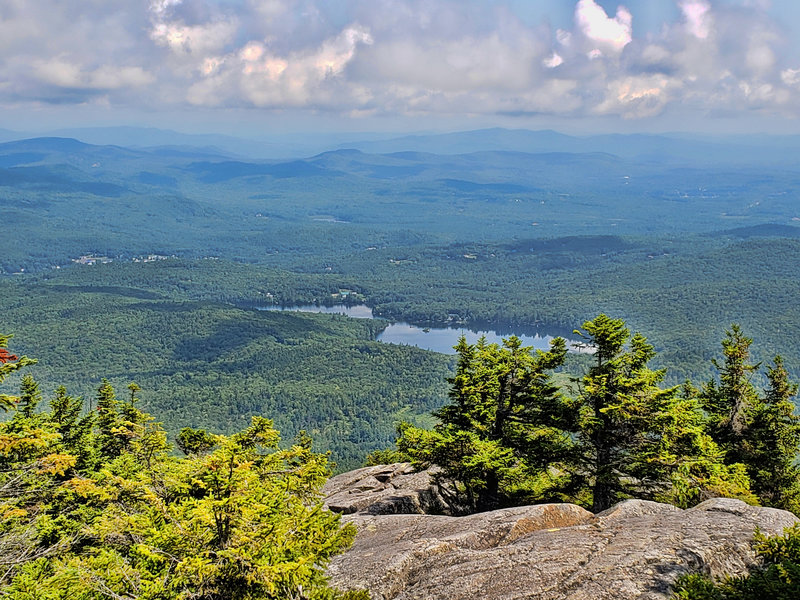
[{"x": 255, "y": 66}]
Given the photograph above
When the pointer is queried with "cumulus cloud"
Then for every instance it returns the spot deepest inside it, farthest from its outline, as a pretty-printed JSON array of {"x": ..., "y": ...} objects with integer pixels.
[
  {"x": 613, "y": 33},
  {"x": 202, "y": 39},
  {"x": 370, "y": 57},
  {"x": 635, "y": 97},
  {"x": 65, "y": 74},
  {"x": 256, "y": 75},
  {"x": 697, "y": 14},
  {"x": 65, "y": 52},
  {"x": 552, "y": 61},
  {"x": 791, "y": 76}
]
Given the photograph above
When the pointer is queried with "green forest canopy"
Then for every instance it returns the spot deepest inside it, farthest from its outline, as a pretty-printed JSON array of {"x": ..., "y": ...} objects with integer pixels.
[
  {"x": 94, "y": 505},
  {"x": 510, "y": 436}
]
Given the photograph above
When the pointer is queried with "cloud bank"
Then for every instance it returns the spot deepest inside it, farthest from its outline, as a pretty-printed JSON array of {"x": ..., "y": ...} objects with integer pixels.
[{"x": 374, "y": 57}]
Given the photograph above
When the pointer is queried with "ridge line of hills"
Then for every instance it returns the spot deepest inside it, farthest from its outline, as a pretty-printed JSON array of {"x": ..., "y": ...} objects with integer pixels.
[{"x": 677, "y": 146}]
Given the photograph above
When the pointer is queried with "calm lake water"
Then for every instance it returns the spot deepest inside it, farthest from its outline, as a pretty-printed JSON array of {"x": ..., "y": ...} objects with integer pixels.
[{"x": 438, "y": 339}]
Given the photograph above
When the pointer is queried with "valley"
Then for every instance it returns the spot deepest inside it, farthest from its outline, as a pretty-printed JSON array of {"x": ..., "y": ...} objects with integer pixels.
[
  {"x": 150, "y": 263},
  {"x": 399, "y": 300}
]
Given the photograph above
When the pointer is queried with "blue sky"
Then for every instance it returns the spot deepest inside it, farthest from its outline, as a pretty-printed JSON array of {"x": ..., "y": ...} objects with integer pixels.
[{"x": 255, "y": 66}]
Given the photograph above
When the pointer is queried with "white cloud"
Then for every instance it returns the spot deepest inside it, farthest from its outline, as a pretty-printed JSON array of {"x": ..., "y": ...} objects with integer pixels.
[
  {"x": 181, "y": 38},
  {"x": 255, "y": 75},
  {"x": 697, "y": 14},
  {"x": 655, "y": 54},
  {"x": 115, "y": 78},
  {"x": 270, "y": 9},
  {"x": 635, "y": 97},
  {"x": 598, "y": 27},
  {"x": 553, "y": 61},
  {"x": 488, "y": 62},
  {"x": 335, "y": 53},
  {"x": 760, "y": 58},
  {"x": 196, "y": 39},
  {"x": 62, "y": 73},
  {"x": 790, "y": 76},
  {"x": 58, "y": 72},
  {"x": 373, "y": 57},
  {"x": 160, "y": 7}
]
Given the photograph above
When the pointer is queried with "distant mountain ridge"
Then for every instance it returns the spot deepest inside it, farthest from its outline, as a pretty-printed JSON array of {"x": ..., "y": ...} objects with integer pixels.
[
  {"x": 642, "y": 147},
  {"x": 159, "y": 196},
  {"x": 678, "y": 148}
]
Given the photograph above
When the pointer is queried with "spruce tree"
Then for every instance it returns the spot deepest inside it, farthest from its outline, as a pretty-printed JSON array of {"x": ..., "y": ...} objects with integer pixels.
[
  {"x": 617, "y": 396},
  {"x": 65, "y": 410},
  {"x": 639, "y": 440},
  {"x": 75, "y": 430},
  {"x": 509, "y": 436},
  {"x": 732, "y": 401},
  {"x": 760, "y": 432},
  {"x": 773, "y": 442},
  {"x": 678, "y": 462},
  {"x": 195, "y": 441},
  {"x": 504, "y": 427},
  {"x": 243, "y": 521},
  {"x": 29, "y": 398},
  {"x": 109, "y": 443},
  {"x": 131, "y": 421}
]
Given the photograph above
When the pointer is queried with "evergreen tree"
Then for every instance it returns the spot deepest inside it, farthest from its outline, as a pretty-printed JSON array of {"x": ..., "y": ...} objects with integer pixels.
[
  {"x": 637, "y": 439},
  {"x": 508, "y": 436},
  {"x": 131, "y": 421},
  {"x": 731, "y": 402},
  {"x": 243, "y": 521},
  {"x": 760, "y": 432},
  {"x": 195, "y": 441},
  {"x": 8, "y": 364},
  {"x": 773, "y": 441},
  {"x": 617, "y": 396},
  {"x": 29, "y": 398},
  {"x": 30, "y": 465},
  {"x": 678, "y": 462},
  {"x": 503, "y": 429},
  {"x": 109, "y": 440},
  {"x": 75, "y": 431}
]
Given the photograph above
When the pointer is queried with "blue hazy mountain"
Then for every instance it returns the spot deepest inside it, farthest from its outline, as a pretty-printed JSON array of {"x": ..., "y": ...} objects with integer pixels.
[
  {"x": 678, "y": 148},
  {"x": 675, "y": 148},
  {"x": 197, "y": 200},
  {"x": 274, "y": 146}
]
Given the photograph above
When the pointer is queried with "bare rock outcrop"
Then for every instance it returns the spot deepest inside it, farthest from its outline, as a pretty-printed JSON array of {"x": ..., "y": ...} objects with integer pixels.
[
  {"x": 635, "y": 550},
  {"x": 384, "y": 490}
]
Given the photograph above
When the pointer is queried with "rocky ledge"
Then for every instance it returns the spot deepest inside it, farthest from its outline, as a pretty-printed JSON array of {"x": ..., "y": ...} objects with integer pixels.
[{"x": 635, "y": 550}]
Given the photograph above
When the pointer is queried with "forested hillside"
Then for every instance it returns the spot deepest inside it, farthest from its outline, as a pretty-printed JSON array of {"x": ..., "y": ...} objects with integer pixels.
[
  {"x": 148, "y": 264},
  {"x": 206, "y": 364},
  {"x": 682, "y": 291},
  {"x": 95, "y": 504},
  {"x": 65, "y": 199}
]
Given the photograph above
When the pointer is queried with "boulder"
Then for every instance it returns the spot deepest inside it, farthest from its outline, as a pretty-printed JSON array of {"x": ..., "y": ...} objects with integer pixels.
[
  {"x": 635, "y": 550},
  {"x": 384, "y": 490}
]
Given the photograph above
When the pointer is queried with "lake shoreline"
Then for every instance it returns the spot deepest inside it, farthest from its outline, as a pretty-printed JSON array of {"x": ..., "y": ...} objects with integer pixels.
[{"x": 436, "y": 338}]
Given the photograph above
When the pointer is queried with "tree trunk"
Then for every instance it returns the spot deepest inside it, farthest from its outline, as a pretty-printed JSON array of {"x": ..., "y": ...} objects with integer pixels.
[
  {"x": 489, "y": 498},
  {"x": 603, "y": 490}
]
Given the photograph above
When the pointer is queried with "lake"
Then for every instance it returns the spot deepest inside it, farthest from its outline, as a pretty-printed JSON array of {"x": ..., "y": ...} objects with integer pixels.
[{"x": 437, "y": 339}]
